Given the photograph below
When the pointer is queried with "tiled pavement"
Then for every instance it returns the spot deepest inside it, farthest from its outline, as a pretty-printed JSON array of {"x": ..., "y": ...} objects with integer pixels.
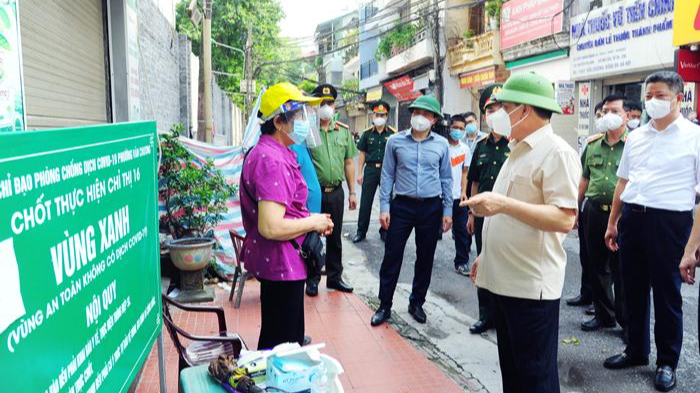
[{"x": 375, "y": 359}]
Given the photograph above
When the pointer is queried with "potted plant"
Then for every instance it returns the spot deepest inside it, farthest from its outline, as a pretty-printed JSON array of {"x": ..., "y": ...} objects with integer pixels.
[
  {"x": 195, "y": 196},
  {"x": 493, "y": 10}
]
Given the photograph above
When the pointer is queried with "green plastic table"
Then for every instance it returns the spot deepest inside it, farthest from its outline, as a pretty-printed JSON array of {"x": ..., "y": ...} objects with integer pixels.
[{"x": 197, "y": 379}]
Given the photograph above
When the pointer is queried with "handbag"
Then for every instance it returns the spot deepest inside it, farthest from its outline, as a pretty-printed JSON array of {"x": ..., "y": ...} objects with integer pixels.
[{"x": 312, "y": 249}]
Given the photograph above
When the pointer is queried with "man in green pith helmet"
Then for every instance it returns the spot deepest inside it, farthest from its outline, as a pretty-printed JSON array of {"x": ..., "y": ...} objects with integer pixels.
[
  {"x": 528, "y": 214},
  {"x": 371, "y": 146},
  {"x": 417, "y": 171}
]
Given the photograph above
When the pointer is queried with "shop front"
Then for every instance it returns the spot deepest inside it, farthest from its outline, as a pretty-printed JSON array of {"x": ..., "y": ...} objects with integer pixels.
[
  {"x": 614, "y": 49},
  {"x": 404, "y": 90}
]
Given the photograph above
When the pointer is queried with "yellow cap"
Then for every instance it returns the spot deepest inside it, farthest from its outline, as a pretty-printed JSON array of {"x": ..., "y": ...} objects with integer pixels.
[{"x": 277, "y": 95}]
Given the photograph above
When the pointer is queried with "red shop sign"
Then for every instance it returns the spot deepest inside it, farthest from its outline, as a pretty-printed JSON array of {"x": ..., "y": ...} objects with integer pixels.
[
  {"x": 688, "y": 65},
  {"x": 402, "y": 89}
]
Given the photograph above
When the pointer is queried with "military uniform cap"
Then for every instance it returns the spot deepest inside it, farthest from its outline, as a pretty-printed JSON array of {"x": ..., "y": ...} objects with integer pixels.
[
  {"x": 488, "y": 96},
  {"x": 380, "y": 107},
  {"x": 325, "y": 91}
]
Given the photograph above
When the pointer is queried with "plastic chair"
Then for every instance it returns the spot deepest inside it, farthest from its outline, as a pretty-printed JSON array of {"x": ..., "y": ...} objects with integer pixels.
[
  {"x": 202, "y": 349},
  {"x": 239, "y": 276}
]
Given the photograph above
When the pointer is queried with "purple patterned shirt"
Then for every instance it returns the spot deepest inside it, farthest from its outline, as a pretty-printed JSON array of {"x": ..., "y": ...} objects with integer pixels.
[{"x": 271, "y": 173}]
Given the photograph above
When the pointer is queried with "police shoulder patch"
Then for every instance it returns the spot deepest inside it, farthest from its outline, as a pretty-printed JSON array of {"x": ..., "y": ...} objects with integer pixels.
[
  {"x": 595, "y": 137},
  {"x": 392, "y": 129},
  {"x": 482, "y": 138}
]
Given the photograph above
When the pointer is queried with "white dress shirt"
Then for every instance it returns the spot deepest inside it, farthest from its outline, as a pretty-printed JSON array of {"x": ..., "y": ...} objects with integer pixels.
[{"x": 662, "y": 167}]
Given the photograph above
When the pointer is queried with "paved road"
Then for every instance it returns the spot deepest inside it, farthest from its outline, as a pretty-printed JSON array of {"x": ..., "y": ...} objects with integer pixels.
[{"x": 453, "y": 306}]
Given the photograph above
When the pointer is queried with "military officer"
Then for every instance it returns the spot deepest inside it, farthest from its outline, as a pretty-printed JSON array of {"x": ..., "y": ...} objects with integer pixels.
[
  {"x": 600, "y": 162},
  {"x": 371, "y": 147},
  {"x": 489, "y": 155},
  {"x": 334, "y": 163}
]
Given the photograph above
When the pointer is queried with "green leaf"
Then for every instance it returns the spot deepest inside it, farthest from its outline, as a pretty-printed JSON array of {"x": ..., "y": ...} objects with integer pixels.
[
  {"x": 4, "y": 43},
  {"x": 5, "y": 18}
]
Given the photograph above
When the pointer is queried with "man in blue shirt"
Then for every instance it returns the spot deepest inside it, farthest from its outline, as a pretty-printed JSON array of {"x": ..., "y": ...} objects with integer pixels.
[{"x": 417, "y": 169}]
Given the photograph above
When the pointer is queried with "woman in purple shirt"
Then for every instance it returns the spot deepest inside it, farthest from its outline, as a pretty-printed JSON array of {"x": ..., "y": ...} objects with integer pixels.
[{"x": 273, "y": 205}]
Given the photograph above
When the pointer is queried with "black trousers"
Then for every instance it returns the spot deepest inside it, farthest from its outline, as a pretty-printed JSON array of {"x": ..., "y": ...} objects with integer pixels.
[
  {"x": 483, "y": 295},
  {"x": 528, "y": 338},
  {"x": 605, "y": 268},
  {"x": 586, "y": 292},
  {"x": 407, "y": 214},
  {"x": 282, "y": 309},
  {"x": 372, "y": 175},
  {"x": 462, "y": 238},
  {"x": 333, "y": 204},
  {"x": 651, "y": 247}
]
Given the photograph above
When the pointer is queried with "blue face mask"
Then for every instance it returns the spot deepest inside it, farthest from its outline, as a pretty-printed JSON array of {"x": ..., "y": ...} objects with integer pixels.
[
  {"x": 300, "y": 131},
  {"x": 471, "y": 129},
  {"x": 457, "y": 134}
]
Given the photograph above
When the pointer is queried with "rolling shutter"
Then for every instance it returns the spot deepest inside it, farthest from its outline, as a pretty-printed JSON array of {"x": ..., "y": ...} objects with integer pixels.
[{"x": 63, "y": 55}]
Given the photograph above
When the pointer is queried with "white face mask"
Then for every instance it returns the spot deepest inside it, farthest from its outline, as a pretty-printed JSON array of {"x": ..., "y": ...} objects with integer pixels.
[
  {"x": 599, "y": 125},
  {"x": 420, "y": 123},
  {"x": 489, "y": 122},
  {"x": 379, "y": 121},
  {"x": 657, "y": 109},
  {"x": 612, "y": 122},
  {"x": 633, "y": 124},
  {"x": 326, "y": 112},
  {"x": 501, "y": 121}
]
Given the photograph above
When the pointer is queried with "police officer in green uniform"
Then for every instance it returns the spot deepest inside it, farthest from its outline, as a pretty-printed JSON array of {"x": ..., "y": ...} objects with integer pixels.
[
  {"x": 489, "y": 155},
  {"x": 600, "y": 161},
  {"x": 334, "y": 162},
  {"x": 371, "y": 147}
]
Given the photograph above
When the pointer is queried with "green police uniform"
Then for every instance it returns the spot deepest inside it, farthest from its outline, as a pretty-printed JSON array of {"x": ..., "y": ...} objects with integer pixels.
[
  {"x": 600, "y": 162},
  {"x": 487, "y": 160},
  {"x": 337, "y": 145},
  {"x": 372, "y": 143}
]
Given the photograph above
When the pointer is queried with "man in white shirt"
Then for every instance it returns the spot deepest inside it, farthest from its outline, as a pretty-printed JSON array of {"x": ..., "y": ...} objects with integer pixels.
[
  {"x": 652, "y": 210},
  {"x": 460, "y": 157}
]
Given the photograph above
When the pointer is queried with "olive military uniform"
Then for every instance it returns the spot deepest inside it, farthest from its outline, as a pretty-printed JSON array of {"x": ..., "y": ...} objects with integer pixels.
[
  {"x": 487, "y": 160},
  {"x": 600, "y": 161},
  {"x": 372, "y": 143}
]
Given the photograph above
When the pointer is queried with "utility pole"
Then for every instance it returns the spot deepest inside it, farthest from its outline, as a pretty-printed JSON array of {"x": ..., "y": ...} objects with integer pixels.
[
  {"x": 436, "y": 51},
  {"x": 248, "y": 65},
  {"x": 206, "y": 54}
]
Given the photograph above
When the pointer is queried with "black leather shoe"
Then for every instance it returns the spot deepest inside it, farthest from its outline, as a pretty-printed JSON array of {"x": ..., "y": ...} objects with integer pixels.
[
  {"x": 481, "y": 326},
  {"x": 578, "y": 301},
  {"x": 307, "y": 340},
  {"x": 621, "y": 361},
  {"x": 339, "y": 286},
  {"x": 381, "y": 316},
  {"x": 358, "y": 238},
  {"x": 596, "y": 324},
  {"x": 312, "y": 290},
  {"x": 417, "y": 313},
  {"x": 590, "y": 311},
  {"x": 665, "y": 379}
]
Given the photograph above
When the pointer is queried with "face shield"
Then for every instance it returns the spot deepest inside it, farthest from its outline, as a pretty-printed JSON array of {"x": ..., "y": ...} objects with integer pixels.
[{"x": 305, "y": 124}]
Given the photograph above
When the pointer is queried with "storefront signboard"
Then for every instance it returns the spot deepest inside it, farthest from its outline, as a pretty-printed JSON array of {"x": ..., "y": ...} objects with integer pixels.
[
  {"x": 626, "y": 37},
  {"x": 526, "y": 20},
  {"x": 80, "y": 302},
  {"x": 478, "y": 79},
  {"x": 686, "y": 20},
  {"x": 402, "y": 89},
  {"x": 12, "y": 112},
  {"x": 688, "y": 65},
  {"x": 565, "y": 96},
  {"x": 584, "y": 108},
  {"x": 133, "y": 59},
  {"x": 689, "y": 103}
]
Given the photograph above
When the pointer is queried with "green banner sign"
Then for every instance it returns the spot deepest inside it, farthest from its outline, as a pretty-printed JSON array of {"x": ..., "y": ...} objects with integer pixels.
[{"x": 79, "y": 262}]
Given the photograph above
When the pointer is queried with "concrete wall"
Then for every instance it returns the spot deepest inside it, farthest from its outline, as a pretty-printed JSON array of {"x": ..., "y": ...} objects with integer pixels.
[{"x": 159, "y": 67}]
